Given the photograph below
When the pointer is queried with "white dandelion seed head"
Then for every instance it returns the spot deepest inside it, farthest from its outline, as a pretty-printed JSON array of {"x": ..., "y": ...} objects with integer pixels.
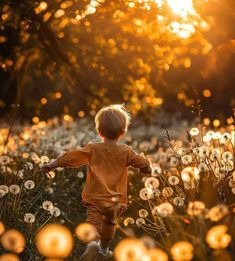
[
  {"x": 196, "y": 208},
  {"x": 151, "y": 182},
  {"x": 29, "y": 218},
  {"x": 128, "y": 221},
  {"x": 47, "y": 205},
  {"x": 178, "y": 201},
  {"x": 4, "y": 188},
  {"x": 44, "y": 159},
  {"x": 140, "y": 222},
  {"x": 14, "y": 189},
  {"x": 143, "y": 213},
  {"x": 146, "y": 193},
  {"x": 194, "y": 131},
  {"x": 55, "y": 211},
  {"x": 29, "y": 184},
  {"x": 173, "y": 180}
]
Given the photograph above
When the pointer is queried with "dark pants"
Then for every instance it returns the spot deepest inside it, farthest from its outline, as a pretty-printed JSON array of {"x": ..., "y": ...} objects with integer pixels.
[{"x": 104, "y": 220}]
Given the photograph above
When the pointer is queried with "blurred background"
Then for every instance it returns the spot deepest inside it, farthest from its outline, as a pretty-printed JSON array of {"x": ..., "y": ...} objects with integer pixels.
[{"x": 72, "y": 57}]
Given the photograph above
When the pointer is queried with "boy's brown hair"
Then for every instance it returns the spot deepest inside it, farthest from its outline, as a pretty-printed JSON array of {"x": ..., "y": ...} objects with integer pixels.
[{"x": 112, "y": 121}]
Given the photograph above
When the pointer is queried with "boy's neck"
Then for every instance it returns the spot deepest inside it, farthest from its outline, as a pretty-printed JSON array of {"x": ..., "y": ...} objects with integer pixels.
[{"x": 108, "y": 141}]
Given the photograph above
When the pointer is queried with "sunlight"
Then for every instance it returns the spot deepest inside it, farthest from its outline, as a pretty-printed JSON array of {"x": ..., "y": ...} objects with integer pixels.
[{"x": 183, "y": 8}]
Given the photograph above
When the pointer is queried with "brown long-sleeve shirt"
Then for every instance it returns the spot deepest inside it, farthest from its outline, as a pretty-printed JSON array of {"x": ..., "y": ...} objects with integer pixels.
[{"x": 107, "y": 170}]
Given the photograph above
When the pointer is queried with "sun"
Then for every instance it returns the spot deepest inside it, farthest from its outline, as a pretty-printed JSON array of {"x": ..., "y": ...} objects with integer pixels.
[{"x": 182, "y": 8}]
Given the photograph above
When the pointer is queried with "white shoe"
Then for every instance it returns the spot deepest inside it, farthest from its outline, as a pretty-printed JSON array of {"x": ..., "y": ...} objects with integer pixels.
[{"x": 91, "y": 252}]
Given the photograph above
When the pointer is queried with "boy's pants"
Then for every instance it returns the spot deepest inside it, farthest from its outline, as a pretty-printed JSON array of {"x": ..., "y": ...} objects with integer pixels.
[{"x": 104, "y": 220}]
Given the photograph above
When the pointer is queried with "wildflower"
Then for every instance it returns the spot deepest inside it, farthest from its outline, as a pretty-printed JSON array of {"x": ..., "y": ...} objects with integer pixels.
[
  {"x": 55, "y": 212},
  {"x": 215, "y": 154},
  {"x": 55, "y": 241},
  {"x": 189, "y": 185},
  {"x": 29, "y": 165},
  {"x": 194, "y": 131},
  {"x": 47, "y": 205},
  {"x": 182, "y": 250},
  {"x": 80, "y": 175},
  {"x": 227, "y": 156},
  {"x": 139, "y": 222},
  {"x": 196, "y": 151},
  {"x": 167, "y": 191},
  {"x": 50, "y": 174},
  {"x": 216, "y": 136},
  {"x": 186, "y": 159},
  {"x": 86, "y": 232},
  {"x": 178, "y": 201},
  {"x": 29, "y": 184},
  {"x": 2, "y": 193},
  {"x": 29, "y": 218},
  {"x": 157, "y": 254},
  {"x": 44, "y": 159},
  {"x": 173, "y": 180},
  {"x": 225, "y": 137},
  {"x": 9, "y": 257},
  {"x": 4, "y": 160},
  {"x": 217, "y": 237},
  {"x": 202, "y": 167},
  {"x": 128, "y": 221},
  {"x": 190, "y": 173},
  {"x": 231, "y": 183},
  {"x": 151, "y": 183},
  {"x": 156, "y": 192},
  {"x": 130, "y": 249},
  {"x": 14, "y": 189},
  {"x": 204, "y": 151},
  {"x": 20, "y": 173},
  {"x": 206, "y": 138},
  {"x": 4, "y": 188},
  {"x": 219, "y": 173},
  {"x": 146, "y": 193},
  {"x": 35, "y": 158},
  {"x": 173, "y": 161},
  {"x": 143, "y": 213},
  {"x": 163, "y": 210},
  {"x": 13, "y": 240},
  {"x": 156, "y": 170},
  {"x": 195, "y": 208},
  {"x": 218, "y": 212}
]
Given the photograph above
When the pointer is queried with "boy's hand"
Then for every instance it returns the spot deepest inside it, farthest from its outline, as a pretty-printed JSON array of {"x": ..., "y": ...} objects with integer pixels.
[{"x": 49, "y": 166}]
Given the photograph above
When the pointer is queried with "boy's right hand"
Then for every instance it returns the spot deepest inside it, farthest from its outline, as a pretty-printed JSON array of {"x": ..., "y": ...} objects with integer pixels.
[{"x": 49, "y": 166}]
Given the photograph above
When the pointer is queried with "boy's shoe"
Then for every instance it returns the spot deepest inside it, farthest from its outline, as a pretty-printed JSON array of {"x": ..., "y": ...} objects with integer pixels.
[
  {"x": 91, "y": 252},
  {"x": 107, "y": 256}
]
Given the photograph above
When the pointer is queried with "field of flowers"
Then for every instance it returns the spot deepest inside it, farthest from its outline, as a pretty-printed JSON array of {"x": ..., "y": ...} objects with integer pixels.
[{"x": 183, "y": 211}]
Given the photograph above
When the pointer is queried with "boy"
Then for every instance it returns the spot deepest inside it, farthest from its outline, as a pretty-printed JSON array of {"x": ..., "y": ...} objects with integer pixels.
[{"x": 106, "y": 179}]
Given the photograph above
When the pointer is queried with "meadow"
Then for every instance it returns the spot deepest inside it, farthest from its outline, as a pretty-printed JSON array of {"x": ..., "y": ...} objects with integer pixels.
[{"x": 183, "y": 211}]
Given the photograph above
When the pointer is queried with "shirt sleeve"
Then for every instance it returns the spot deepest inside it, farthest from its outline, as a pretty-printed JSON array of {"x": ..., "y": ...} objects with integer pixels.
[
  {"x": 75, "y": 158},
  {"x": 138, "y": 161}
]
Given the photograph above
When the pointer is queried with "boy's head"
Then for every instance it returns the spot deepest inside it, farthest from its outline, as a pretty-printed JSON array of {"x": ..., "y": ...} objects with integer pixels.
[{"x": 112, "y": 121}]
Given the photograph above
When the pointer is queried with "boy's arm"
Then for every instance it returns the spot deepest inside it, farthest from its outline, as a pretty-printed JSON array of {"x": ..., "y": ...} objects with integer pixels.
[
  {"x": 138, "y": 161},
  {"x": 71, "y": 159}
]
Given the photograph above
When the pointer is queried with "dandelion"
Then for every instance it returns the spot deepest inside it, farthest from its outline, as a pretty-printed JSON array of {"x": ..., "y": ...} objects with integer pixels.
[
  {"x": 50, "y": 174},
  {"x": 29, "y": 184},
  {"x": 218, "y": 212},
  {"x": 80, "y": 175},
  {"x": 194, "y": 131},
  {"x": 173, "y": 161},
  {"x": 178, "y": 201},
  {"x": 55, "y": 211},
  {"x": 4, "y": 188},
  {"x": 156, "y": 192},
  {"x": 196, "y": 208},
  {"x": 157, "y": 254},
  {"x": 182, "y": 251},
  {"x": 14, "y": 189},
  {"x": 204, "y": 151},
  {"x": 29, "y": 218},
  {"x": 35, "y": 158},
  {"x": 173, "y": 180},
  {"x": 13, "y": 240},
  {"x": 54, "y": 240},
  {"x": 227, "y": 156},
  {"x": 151, "y": 183},
  {"x": 202, "y": 167},
  {"x": 47, "y": 205},
  {"x": 143, "y": 213},
  {"x": 216, "y": 136},
  {"x": 215, "y": 154},
  {"x": 163, "y": 210},
  {"x": 2, "y": 193},
  {"x": 129, "y": 249},
  {"x": 139, "y": 222},
  {"x": 231, "y": 183},
  {"x": 146, "y": 193},
  {"x": 225, "y": 137},
  {"x": 128, "y": 221},
  {"x": 186, "y": 159},
  {"x": 217, "y": 237},
  {"x": 9, "y": 257},
  {"x": 167, "y": 192},
  {"x": 29, "y": 165},
  {"x": 156, "y": 171},
  {"x": 86, "y": 232},
  {"x": 190, "y": 173},
  {"x": 44, "y": 159},
  {"x": 4, "y": 160}
]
